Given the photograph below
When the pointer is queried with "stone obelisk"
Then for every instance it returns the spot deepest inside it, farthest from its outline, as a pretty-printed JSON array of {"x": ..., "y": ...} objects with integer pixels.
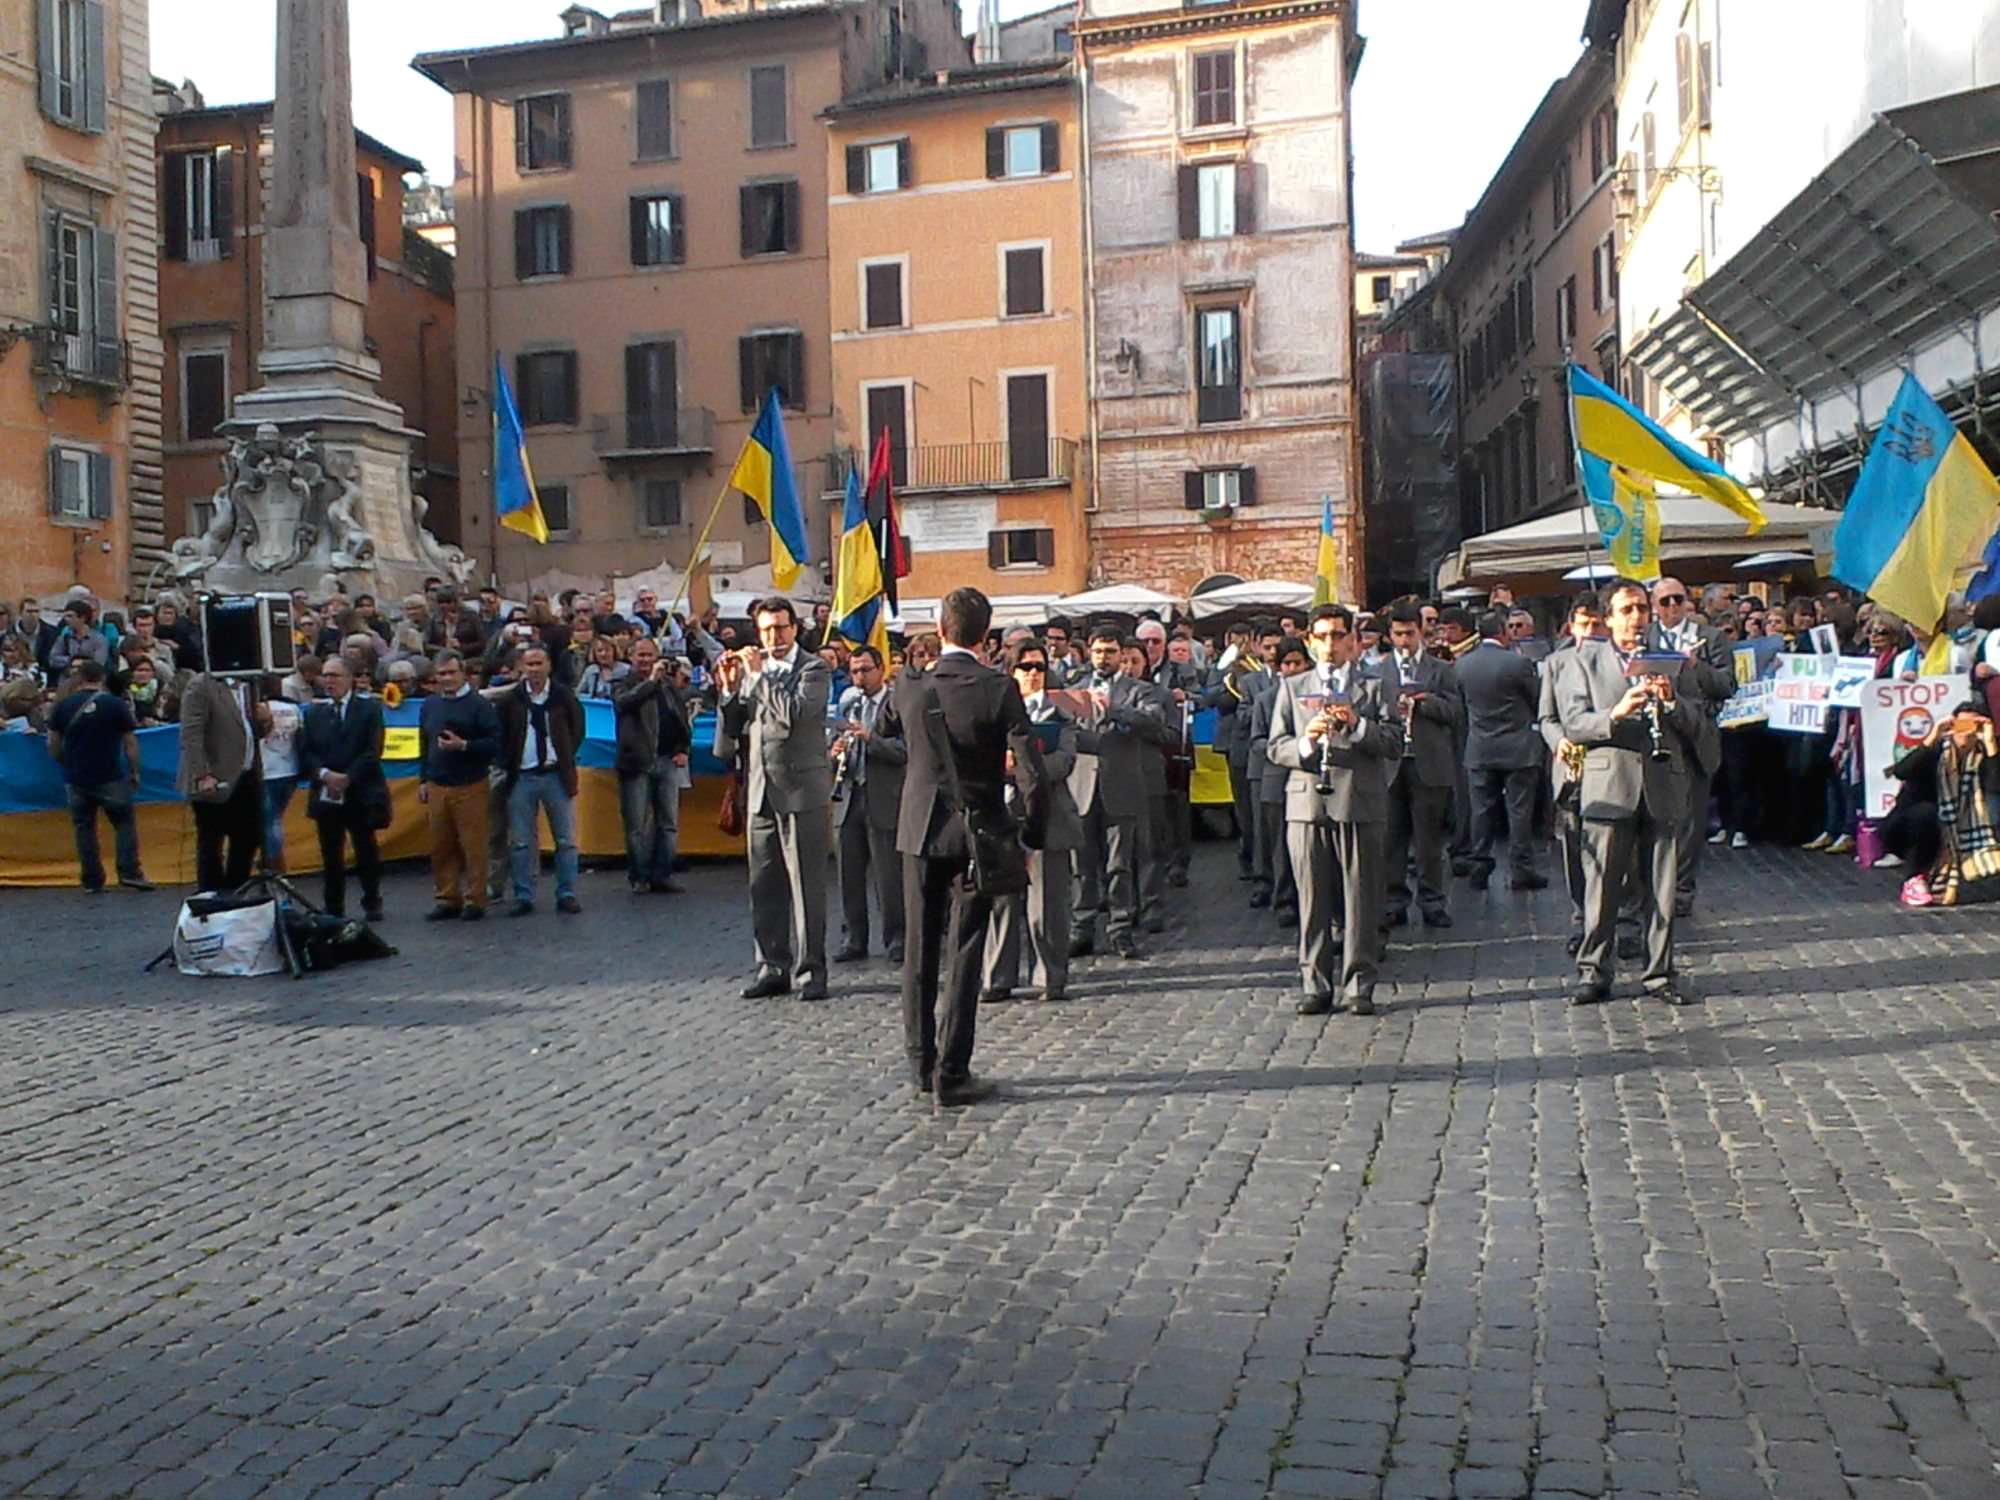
[{"x": 317, "y": 493}]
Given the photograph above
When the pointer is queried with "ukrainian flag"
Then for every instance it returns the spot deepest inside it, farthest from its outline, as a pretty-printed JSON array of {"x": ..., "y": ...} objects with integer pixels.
[
  {"x": 764, "y": 472},
  {"x": 514, "y": 497},
  {"x": 1626, "y": 507},
  {"x": 1326, "y": 572},
  {"x": 1921, "y": 512},
  {"x": 860, "y": 608},
  {"x": 1609, "y": 427}
]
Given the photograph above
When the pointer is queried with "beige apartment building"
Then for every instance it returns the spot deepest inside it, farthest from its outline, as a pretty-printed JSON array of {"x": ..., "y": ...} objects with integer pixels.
[
  {"x": 79, "y": 301},
  {"x": 642, "y": 244}
]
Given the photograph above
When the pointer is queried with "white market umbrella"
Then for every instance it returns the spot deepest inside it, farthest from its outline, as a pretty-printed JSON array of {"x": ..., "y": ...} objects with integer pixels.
[
  {"x": 1591, "y": 573},
  {"x": 1116, "y": 599},
  {"x": 1257, "y": 593}
]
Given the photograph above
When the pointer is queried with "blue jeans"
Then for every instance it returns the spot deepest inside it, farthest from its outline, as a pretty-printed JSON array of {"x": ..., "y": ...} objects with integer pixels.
[
  {"x": 543, "y": 790},
  {"x": 114, "y": 798},
  {"x": 1840, "y": 804},
  {"x": 278, "y": 793}
]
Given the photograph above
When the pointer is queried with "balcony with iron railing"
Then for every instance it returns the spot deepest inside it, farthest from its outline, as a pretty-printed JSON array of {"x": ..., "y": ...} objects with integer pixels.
[
  {"x": 653, "y": 434},
  {"x": 940, "y": 468},
  {"x": 80, "y": 358}
]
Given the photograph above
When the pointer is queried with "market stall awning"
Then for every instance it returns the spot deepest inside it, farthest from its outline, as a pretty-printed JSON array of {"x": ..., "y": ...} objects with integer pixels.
[
  {"x": 1691, "y": 530},
  {"x": 1008, "y": 609},
  {"x": 1257, "y": 593},
  {"x": 1117, "y": 599}
]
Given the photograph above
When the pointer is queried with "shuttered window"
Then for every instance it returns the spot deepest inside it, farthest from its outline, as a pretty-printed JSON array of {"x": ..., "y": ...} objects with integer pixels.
[
  {"x": 653, "y": 107},
  {"x": 767, "y": 361},
  {"x": 659, "y": 230},
  {"x": 546, "y": 379},
  {"x": 770, "y": 218},
  {"x": 1214, "y": 88},
  {"x": 1025, "y": 282},
  {"x": 542, "y": 242},
  {"x": 70, "y": 62},
  {"x": 770, "y": 117},
  {"x": 882, "y": 288},
  {"x": 542, "y": 133}
]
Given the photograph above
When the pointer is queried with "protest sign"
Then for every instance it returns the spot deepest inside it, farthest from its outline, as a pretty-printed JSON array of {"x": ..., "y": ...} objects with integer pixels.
[
  {"x": 1825, "y": 640},
  {"x": 1749, "y": 704},
  {"x": 1895, "y": 716},
  {"x": 1800, "y": 691},
  {"x": 1853, "y": 674}
]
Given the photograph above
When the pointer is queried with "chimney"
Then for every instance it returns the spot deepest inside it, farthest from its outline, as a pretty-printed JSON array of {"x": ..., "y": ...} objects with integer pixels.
[{"x": 986, "y": 37}]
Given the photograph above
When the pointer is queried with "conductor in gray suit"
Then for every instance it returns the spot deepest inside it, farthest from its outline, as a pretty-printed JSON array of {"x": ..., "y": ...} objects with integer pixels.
[
  {"x": 1631, "y": 798},
  {"x": 773, "y": 706},
  {"x": 1503, "y": 752},
  {"x": 871, "y": 784},
  {"x": 1040, "y": 917},
  {"x": 1109, "y": 785},
  {"x": 1331, "y": 721}
]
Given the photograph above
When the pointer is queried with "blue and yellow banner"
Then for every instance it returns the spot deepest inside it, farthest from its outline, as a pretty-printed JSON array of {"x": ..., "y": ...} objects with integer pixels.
[
  {"x": 1609, "y": 427},
  {"x": 860, "y": 606},
  {"x": 1626, "y": 508},
  {"x": 515, "y": 500},
  {"x": 764, "y": 472},
  {"x": 1923, "y": 510},
  {"x": 1326, "y": 570}
]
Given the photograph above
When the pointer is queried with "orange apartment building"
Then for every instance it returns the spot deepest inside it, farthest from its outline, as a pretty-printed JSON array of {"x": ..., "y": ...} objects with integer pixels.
[
  {"x": 214, "y": 169},
  {"x": 642, "y": 241},
  {"x": 955, "y": 265},
  {"x": 79, "y": 303}
]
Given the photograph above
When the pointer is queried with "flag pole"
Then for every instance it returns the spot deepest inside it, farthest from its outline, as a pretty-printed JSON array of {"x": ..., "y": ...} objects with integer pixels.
[
  {"x": 1584, "y": 518},
  {"x": 700, "y": 543}
]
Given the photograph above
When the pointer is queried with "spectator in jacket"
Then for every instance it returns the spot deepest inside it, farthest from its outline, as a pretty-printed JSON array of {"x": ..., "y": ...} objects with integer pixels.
[
  {"x": 653, "y": 745},
  {"x": 541, "y": 726},
  {"x": 145, "y": 637},
  {"x": 178, "y": 631},
  {"x": 604, "y": 672},
  {"x": 340, "y": 758},
  {"x": 93, "y": 738},
  {"x": 37, "y": 632},
  {"x": 453, "y": 625},
  {"x": 458, "y": 737},
  {"x": 79, "y": 640}
]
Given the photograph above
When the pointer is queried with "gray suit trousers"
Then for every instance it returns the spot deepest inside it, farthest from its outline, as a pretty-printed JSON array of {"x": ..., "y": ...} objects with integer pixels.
[
  {"x": 1647, "y": 854},
  {"x": 1504, "y": 799},
  {"x": 1042, "y": 916},
  {"x": 868, "y": 855},
  {"x": 1107, "y": 874},
  {"x": 1243, "y": 795},
  {"x": 1156, "y": 853},
  {"x": 1569, "y": 838},
  {"x": 1339, "y": 870},
  {"x": 1694, "y": 833},
  {"x": 788, "y": 858},
  {"x": 1417, "y": 816},
  {"x": 1271, "y": 839}
]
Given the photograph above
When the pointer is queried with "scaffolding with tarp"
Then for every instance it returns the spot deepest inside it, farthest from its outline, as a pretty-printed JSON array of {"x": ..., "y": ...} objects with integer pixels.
[{"x": 1411, "y": 469}]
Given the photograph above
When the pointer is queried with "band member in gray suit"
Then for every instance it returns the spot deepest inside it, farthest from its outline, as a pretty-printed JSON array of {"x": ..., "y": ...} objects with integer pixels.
[
  {"x": 773, "y": 704},
  {"x": 1331, "y": 729},
  {"x": 1503, "y": 752},
  {"x": 1041, "y": 916},
  {"x": 868, "y": 792},
  {"x": 1586, "y": 622},
  {"x": 1637, "y": 729},
  {"x": 1420, "y": 690},
  {"x": 1676, "y": 627},
  {"x": 1109, "y": 785},
  {"x": 1293, "y": 659}
]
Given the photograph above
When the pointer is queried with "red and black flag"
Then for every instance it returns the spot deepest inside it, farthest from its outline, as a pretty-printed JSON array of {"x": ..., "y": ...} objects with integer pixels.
[{"x": 883, "y": 519}]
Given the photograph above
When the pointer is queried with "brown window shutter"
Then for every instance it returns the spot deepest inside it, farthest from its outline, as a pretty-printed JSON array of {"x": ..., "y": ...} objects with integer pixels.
[
  {"x": 1190, "y": 203},
  {"x": 173, "y": 197},
  {"x": 1051, "y": 147},
  {"x": 746, "y": 213},
  {"x": 225, "y": 200},
  {"x": 795, "y": 367},
  {"x": 569, "y": 383},
  {"x": 524, "y": 244},
  {"x": 562, "y": 130},
  {"x": 1191, "y": 489},
  {"x": 792, "y": 226},
  {"x": 1246, "y": 211},
  {"x": 903, "y": 175},
  {"x": 521, "y": 129},
  {"x": 1045, "y": 547},
  {"x": 1246, "y": 487},
  {"x": 996, "y": 151},
  {"x": 677, "y": 207},
  {"x": 746, "y": 372},
  {"x": 565, "y": 240},
  {"x": 996, "y": 549},
  {"x": 857, "y": 169},
  {"x": 524, "y": 391},
  {"x": 641, "y": 218}
]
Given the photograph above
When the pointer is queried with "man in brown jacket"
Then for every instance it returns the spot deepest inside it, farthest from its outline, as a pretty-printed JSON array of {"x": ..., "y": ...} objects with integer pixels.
[{"x": 220, "y": 777}]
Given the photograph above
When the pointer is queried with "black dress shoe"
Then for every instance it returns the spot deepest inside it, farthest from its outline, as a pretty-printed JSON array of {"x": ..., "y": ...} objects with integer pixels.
[
  {"x": 1684, "y": 908},
  {"x": 1590, "y": 992},
  {"x": 1260, "y": 898},
  {"x": 764, "y": 986},
  {"x": 141, "y": 883},
  {"x": 521, "y": 909},
  {"x": 1631, "y": 946},
  {"x": 815, "y": 990},
  {"x": 569, "y": 906},
  {"x": 895, "y": 954},
  {"x": 1364, "y": 1005},
  {"x": 1534, "y": 880},
  {"x": 1082, "y": 947},
  {"x": 442, "y": 914},
  {"x": 372, "y": 912},
  {"x": 1178, "y": 880},
  {"x": 666, "y": 888},
  {"x": 1156, "y": 924},
  {"x": 473, "y": 914},
  {"x": 1671, "y": 994},
  {"x": 1288, "y": 916},
  {"x": 1315, "y": 1005},
  {"x": 1437, "y": 918},
  {"x": 995, "y": 996},
  {"x": 850, "y": 955},
  {"x": 956, "y": 1093},
  {"x": 1572, "y": 943},
  {"x": 1125, "y": 948}
]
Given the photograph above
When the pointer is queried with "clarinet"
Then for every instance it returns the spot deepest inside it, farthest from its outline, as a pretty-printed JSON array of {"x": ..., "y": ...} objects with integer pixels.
[{"x": 1656, "y": 731}]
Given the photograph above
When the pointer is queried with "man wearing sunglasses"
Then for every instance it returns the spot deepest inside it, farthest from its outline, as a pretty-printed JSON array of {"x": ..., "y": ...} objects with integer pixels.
[
  {"x": 1676, "y": 627},
  {"x": 1331, "y": 730}
]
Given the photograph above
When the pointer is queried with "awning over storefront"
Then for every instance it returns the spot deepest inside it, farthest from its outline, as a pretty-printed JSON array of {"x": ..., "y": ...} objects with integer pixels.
[{"x": 1698, "y": 535}]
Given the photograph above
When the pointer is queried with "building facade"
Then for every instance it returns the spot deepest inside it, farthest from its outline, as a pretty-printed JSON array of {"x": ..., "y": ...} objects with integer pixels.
[
  {"x": 955, "y": 242},
  {"x": 641, "y": 211},
  {"x": 214, "y": 171},
  {"x": 80, "y": 484},
  {"x": 1378, "y": 281},
  {"x": 1532, "y": 285},
  {"x": 1220, "y": 269}
]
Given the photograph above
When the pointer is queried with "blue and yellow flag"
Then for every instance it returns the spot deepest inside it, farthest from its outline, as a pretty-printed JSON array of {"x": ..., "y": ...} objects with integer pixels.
[
  {"x": 764, "y": 472},
  {"x": 1626, "y": 508},
  {"x": 515, "y": 502},
  {"x": 1611, "y": 428},
  {"x": 1326, "y": 571},
  {"x": 860, "y": 607},
  {"x": 1922, "y": 510}
]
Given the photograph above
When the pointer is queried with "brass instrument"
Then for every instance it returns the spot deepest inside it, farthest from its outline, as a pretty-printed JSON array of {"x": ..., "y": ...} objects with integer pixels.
[
  {"x": 1572, "y": 757},
  {"x": 1237, "y": 667},
  {"x": 1464, "y": 648}
]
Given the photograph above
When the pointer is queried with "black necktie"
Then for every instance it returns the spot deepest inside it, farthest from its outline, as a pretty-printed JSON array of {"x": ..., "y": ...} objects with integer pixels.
[{"x": 538, "y": 718}]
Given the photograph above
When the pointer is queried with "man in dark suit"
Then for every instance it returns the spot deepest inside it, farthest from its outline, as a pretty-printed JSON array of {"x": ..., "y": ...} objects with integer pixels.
[
  {"x": 1109, "y": 784},
  {"x": 1419, "y": 689},
  {"x": 868, "y": 796},
  {"x": 1039, "y": 918},
  {"x": 1676, "y": 627},
  {"x": 774, "y": 702},
  {"x": 1332, "y": 721},
  {"x": 1156, "y": 836},
  {"x": 968, "y": 712},
  {"x": 1631, "y": 800},
  {"x": 1586, "y": 622},
  {"x": 1503, "y": 753},
  {"x": 340, "y": 758}
]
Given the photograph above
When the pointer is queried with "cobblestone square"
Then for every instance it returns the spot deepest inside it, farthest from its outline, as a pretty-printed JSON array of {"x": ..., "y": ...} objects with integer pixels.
[{"x": 542, "y": 1208}]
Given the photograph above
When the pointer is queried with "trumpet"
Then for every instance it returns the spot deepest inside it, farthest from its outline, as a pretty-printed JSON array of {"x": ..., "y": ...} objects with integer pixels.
[{"x": 1236, "y": 667}]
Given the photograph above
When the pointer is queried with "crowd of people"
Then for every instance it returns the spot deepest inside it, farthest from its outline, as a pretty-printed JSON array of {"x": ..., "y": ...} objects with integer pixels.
[{"x": 1375, "y": 759}]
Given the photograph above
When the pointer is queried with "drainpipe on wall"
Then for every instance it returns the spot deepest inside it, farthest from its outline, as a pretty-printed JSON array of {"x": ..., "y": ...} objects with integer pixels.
[{"x": 1090, "y": 504}]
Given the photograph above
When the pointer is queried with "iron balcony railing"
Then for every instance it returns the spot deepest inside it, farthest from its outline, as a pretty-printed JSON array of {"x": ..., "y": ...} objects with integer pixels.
[
  {"x": 638, "y": 434},
  {"x": 974, "y": 466}
]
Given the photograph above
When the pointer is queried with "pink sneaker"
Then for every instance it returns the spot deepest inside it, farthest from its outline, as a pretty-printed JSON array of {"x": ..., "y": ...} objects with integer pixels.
[{"x": 1917, "y": 891}]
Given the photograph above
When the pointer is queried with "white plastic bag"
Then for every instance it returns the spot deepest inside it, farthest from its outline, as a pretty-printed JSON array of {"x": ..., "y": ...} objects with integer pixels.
[{"x": 235, "y": 943}]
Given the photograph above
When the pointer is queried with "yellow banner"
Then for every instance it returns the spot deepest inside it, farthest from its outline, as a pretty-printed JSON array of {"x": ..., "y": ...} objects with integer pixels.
[{"x": 401, "y": 744}]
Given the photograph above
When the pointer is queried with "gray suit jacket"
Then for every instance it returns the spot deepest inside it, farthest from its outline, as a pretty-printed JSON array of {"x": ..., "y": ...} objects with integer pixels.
[
  {"x": 1111, "y": 747},
  {"x": 1270, "y": 779},
  {"x": 1502, "y": 696},
  {"x": 782, "y": 722},
  {"x": 1548, "y": 718},
  {"x": 1065, "y": 825},
  {"x": 1354, "y": 759},
  {"x": 1434, "y": 723},
  {"x": 1618, "y": 769},
  {"x": 1161, "y": 734},
  {"x": 881, "y": 794}
]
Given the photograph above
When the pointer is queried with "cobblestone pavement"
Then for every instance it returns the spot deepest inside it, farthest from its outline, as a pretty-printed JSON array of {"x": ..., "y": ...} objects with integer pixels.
[{"x": 542, "y": 1208}]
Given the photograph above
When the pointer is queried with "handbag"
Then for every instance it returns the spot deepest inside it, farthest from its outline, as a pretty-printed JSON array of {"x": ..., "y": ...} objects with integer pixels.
[{"x": 996, "y": 865}]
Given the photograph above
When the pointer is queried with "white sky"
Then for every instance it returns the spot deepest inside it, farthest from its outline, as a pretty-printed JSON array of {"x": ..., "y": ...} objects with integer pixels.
[{"x": 1444, "y": 90}]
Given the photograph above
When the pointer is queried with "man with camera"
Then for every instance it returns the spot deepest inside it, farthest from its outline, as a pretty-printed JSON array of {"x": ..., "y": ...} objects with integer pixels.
[
  {"x": 340, "y": 758},
  {"x": 1636, "y": 718},
  {"x": 1331, "y": 729},
  {"x": 653, "y": 745}
]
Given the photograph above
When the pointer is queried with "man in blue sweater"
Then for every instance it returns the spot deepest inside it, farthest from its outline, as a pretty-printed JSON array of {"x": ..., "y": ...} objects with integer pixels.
[{"x": 460, "y": 734}]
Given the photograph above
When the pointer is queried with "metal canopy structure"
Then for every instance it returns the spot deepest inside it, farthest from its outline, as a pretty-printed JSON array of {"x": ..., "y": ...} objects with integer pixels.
[{"x": 1890, "y": 247}]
